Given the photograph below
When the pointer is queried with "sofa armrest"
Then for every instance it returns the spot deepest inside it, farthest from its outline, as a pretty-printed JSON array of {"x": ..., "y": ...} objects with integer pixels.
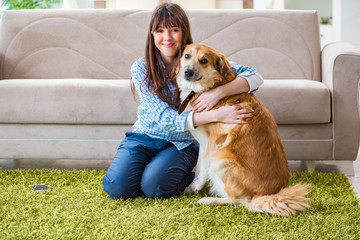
[
  {"x": 341, "y": 74},
  {"x": 1, "y": 65}
]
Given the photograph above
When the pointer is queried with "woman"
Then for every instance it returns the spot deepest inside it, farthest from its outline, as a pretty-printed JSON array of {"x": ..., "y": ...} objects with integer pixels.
[{"x": 157, "y": 157}]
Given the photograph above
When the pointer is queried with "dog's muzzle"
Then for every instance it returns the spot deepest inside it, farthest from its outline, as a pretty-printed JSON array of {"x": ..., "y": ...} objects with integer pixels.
[{"x": 189, "y": 75}]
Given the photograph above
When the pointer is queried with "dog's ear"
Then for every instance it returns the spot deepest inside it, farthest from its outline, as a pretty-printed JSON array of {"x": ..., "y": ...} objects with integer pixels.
[{"x": 224, "y": 66}]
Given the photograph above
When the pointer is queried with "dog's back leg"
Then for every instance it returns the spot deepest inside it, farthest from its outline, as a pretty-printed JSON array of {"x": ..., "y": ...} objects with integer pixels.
[{"x": 222, "y": 184}]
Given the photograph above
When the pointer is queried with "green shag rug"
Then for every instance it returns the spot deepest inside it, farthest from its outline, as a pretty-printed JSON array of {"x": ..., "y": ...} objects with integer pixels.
[{"x": 77, "y": 208}]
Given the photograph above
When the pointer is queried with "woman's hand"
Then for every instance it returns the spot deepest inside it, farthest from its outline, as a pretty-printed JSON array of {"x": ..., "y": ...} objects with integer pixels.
[
  {"x": 210, "y": 98},
  {"x": 229, "y": 113},
  {"x": 233, "y": 114},
  {"x": 206, "y": 100}
]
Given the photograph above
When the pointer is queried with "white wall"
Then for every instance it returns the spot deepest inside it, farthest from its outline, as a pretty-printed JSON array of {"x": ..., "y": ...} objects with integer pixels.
[
  {"x": 350, "y": 22},
  {"x": 324, "y": 7},
  {"x": 269, "y": 4}
]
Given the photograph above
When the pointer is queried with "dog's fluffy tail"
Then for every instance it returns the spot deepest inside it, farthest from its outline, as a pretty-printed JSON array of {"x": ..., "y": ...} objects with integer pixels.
[{"x": 284, "y": 203}]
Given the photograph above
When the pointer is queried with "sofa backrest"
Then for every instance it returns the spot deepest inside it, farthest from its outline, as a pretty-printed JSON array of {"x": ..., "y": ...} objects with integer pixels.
[{"x": 103, "y": 44}]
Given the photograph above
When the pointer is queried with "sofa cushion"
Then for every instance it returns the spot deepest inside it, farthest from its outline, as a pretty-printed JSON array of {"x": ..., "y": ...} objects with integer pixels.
[
  {"x": 81, "y": 43},
  {"x": 89, "y": 101},
  {"x": 67, "y": 101},
  {"x": 296, "y": 101}
]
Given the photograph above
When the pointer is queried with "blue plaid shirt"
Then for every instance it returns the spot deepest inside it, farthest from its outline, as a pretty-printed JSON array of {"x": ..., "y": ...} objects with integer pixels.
[{"x": 158, "y": 119}]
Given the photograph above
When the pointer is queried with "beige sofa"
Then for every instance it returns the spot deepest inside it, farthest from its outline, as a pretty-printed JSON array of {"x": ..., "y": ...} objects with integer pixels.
[{"x": 65, "y": 93}]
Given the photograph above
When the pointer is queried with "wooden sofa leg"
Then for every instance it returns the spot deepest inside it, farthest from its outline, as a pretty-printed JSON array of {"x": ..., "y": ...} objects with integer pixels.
[{"x": 311, "y": 165}]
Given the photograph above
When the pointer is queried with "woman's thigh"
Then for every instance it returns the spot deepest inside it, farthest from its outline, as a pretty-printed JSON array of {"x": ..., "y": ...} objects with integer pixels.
[{"x": 169, "y": 172}]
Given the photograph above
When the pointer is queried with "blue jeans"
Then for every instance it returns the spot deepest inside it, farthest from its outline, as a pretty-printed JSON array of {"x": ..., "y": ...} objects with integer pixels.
[{"x": 154, "y": 167}]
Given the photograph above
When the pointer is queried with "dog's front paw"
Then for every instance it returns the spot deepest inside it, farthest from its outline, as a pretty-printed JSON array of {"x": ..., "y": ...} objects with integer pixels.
[
  {"x": 213, "y": 201},
  {"x": 198, "y": 184},
  {"x": 188, "y": 190},
  {"x": 194, "y": 187},
  {"x": 206, "y": 200}
]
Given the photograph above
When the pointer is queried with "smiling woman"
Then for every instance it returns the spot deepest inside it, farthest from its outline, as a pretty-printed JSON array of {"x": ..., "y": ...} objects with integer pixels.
[{"x": 156, "y": 159}]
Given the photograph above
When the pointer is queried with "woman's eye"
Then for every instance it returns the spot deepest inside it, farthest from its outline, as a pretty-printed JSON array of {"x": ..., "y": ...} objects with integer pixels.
[
  {"x": 159, "y": 30},
  {"x": 175, "y": 30},
  {"x": 187, "y": 56},
  {"x": 203, "y": 61}
]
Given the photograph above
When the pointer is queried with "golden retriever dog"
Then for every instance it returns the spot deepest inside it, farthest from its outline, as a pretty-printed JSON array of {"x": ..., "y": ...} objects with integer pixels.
[{"x": 244, "y": 163}]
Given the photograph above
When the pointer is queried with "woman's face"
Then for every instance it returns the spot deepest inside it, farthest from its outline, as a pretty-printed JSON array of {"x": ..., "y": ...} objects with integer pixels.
[{"x": 168, "y": 41}]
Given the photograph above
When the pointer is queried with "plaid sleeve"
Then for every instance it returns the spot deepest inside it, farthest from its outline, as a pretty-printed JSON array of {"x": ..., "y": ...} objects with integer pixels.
[
  {"x": 152, "y": 109},
  {"x": 242, "y": 71},
  {"x": 254, "y": 79}
]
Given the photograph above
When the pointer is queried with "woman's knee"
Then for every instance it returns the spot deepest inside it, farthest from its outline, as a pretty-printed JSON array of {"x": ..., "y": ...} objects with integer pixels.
[
  {"x": 149, "y": 189},
  {"x": 120, "y": 181},
  {"x": 166, "y": 184},
  {"x": 165, "y": 187},
  {"x": 108, "y": 187},
  {"x": 152, "y": 185},
  {"x": 119, "y": 189}
]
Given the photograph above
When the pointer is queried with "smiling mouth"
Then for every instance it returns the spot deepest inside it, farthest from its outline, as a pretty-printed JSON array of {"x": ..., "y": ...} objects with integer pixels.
[
  {"x": 168, "y": 44},
  {"x": 199, "y": 78}
]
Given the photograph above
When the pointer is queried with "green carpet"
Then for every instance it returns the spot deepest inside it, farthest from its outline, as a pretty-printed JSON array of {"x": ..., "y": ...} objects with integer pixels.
[{"x": 77, "y": 208}]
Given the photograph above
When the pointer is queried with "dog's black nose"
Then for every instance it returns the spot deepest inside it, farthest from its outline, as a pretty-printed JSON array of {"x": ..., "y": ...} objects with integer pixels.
[{"x": 189, "y": 73}]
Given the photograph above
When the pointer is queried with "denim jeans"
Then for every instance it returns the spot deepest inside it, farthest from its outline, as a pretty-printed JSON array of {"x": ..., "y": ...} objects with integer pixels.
[{"x": 150, "y": 167}]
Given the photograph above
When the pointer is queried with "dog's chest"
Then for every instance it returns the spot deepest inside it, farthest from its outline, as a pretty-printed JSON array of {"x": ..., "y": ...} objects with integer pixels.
[{"x": 200, "y": 135}]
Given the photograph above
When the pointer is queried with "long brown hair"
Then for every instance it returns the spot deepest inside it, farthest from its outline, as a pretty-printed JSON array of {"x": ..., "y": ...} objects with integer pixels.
[{"x": 165, "y": 15}]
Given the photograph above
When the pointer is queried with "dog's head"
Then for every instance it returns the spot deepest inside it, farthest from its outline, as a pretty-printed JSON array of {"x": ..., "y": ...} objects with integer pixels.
[{"x": 202, "y": 68}]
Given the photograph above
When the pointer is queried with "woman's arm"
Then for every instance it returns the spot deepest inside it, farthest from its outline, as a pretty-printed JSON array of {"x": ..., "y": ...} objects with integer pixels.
[
  {"x": 227, "y": 114},
  {"x": 210, "y": 98},
  {"x": 247, "y": 80}
]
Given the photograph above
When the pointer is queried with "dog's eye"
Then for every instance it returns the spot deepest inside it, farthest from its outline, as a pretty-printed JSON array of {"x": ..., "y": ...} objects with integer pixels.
[
  {"x": 203, "y": 61},
  {"x": 187, "y": 56}
]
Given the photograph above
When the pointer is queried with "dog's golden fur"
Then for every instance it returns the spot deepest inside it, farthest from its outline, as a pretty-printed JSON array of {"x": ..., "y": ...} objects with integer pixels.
[{"x": 245, "y": 163}]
